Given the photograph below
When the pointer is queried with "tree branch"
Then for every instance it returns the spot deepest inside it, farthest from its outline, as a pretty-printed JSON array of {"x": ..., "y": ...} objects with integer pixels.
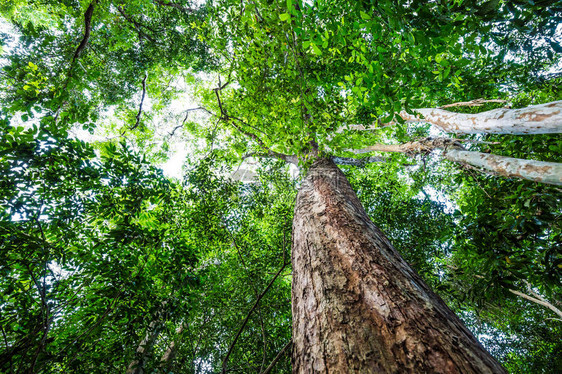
[
  {"x": 534, "y": 119},
  {"x": 136, "y": 366},
  {"x": 78, "y": 51},
  {"x": 112, "y": 305},
  {"x": 87, "y": 30},
  {"x": 477, "y": 102},
  {"x": 170, "y": 352},
  {"x": 537, "y": 301},
  {"x": 228, "y": 118},
  {"x": 138, "y": 26},
  {"x": 277, "y": 358},
  {"x": 538, "y": 171},
  {"x": 141, "y": 102},
  {"x": 359, "y": 162},
  {"x": 424, "y": 146},
  {"x": 225, "y": 361}
]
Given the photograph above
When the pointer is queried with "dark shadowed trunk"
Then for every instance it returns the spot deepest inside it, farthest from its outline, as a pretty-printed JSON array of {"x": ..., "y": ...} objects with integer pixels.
[{"x": 358, "y": 307}]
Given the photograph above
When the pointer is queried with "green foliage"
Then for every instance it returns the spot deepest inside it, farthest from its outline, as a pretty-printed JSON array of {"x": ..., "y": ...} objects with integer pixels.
[
  {"x": 52, "y": 78},
  {"x": 99, "y": 251}
]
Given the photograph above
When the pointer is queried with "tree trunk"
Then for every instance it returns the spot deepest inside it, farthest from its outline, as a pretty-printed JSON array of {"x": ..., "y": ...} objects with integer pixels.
[
  {"x": 538, "y": 171},
  {"x": 143, "y": 350},
  {"x": 534, "y": 119},
  {"x": 170, "y": 353},
  {"x": 358, "y": 307}
]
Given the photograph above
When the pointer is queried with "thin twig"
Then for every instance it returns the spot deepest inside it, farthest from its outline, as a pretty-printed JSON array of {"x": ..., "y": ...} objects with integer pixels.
[
  {"x": 182, "y": 123},
  {"x": 264, "y": 349},
  {"x": 277, "y": 358},
  {"x": 141, "y": 102},
  {"x": 222, "y": 86},
  {"x": 138, "y": 26},
  {"x": 109, "y": 309},
  {"x": 234, "y": 243},
  {"x": 247, "y": 124},
  {"x": 225, "y": 361},
  {"x": 469, "y": 168}
]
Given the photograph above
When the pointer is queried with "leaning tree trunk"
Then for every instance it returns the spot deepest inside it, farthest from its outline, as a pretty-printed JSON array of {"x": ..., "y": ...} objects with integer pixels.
[{"x": 358, "y": 307}]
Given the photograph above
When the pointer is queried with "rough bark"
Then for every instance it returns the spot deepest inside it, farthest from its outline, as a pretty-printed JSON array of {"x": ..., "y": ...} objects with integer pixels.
[
  {"x": 538, "y": 171},
  {"x": 534, "y": 119},
  {"x": 358, "y": 307}
]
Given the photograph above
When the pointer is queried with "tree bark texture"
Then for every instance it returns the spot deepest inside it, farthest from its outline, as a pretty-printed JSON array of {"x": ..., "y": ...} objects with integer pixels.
[
  {"x": 534, "y": 119},
  {"x": 358, "y": 307},
  {"x": 538, "y": 171}
]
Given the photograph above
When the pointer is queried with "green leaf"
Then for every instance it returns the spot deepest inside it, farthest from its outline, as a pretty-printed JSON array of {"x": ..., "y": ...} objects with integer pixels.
[
  {"x": 284, "y": 16},
  {"x": 316, "y": 50},
  {"x": 364, "y": 15}
]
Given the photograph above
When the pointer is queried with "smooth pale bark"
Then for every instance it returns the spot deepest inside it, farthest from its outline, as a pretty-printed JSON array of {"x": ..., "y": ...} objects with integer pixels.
[
  {"x": 410, "y": 147},
  {"x": 538, "y": 171},
  {"x": 540, "y": 301},
  {"x": 535, "y": 119},
  {"x": 358, "y": 307}
]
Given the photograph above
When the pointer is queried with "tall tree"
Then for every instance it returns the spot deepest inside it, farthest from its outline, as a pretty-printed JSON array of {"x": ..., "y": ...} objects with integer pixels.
[
  {"x": 325, "y": 66},
  {"x": 296, "y": 81}
]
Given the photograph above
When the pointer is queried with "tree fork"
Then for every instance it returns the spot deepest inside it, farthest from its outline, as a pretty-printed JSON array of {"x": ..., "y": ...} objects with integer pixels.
[{"x": 358, "y": 307}]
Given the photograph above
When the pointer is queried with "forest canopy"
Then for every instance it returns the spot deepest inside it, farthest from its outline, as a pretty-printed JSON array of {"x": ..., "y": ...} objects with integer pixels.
[{"x": 444, "y": 117}]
